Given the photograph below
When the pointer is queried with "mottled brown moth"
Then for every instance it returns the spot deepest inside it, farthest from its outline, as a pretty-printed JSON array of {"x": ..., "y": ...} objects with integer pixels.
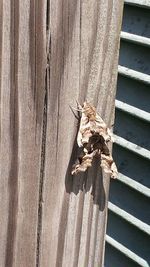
[{"x": 93, "y": 137}]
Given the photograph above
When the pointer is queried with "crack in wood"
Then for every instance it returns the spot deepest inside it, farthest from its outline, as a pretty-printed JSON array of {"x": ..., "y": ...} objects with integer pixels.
[{"x": 41, "y": 183}]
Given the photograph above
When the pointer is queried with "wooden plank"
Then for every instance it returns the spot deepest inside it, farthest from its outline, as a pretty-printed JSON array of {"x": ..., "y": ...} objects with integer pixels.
[
  {"x": 23, "y": 64},
  {"x": 84, "y": 38},
  {"x": 48, "y": 217}
]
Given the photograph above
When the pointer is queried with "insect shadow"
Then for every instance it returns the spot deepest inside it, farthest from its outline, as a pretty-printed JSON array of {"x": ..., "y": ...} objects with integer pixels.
[{"x": 90, "y": 180}]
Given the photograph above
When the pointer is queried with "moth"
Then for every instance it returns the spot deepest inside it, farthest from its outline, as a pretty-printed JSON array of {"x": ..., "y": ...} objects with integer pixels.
[{"x": 93, "y": 137}]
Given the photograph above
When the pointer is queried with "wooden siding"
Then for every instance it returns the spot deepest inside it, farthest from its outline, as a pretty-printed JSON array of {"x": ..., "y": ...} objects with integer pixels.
[{"x": 52, "y": 53}]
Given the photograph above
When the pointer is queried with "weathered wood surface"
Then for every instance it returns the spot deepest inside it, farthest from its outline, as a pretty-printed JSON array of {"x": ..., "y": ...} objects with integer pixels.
[{"x": 52, "y": 53}]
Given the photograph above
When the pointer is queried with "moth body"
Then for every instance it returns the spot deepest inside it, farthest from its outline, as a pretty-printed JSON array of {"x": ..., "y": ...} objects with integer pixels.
[{"x": 94, "y": 137}]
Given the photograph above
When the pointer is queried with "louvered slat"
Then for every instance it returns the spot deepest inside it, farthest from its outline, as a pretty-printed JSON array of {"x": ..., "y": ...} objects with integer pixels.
[
  {"x": 133, "y": 38},
  {"x": 136, "y": 112},
  {"x": 134, "y": 185},
  {"x": 128, "y": 217},
  {"x": 126, "y": 251},
  {"x": 132, "y": 147},
  {"x": 133, "y": 74},
  {"x": 140, "y": 3}
]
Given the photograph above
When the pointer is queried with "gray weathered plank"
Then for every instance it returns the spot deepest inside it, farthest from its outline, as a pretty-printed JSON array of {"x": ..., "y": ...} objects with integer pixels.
[
  {"x": 84, "y": 38},
  {"x": 23, "y": 64}
]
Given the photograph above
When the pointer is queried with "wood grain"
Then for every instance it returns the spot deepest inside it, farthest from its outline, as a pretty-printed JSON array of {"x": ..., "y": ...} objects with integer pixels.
[
  {"x": 53, "y": 53},
  {"x": 22, "y": 100}
]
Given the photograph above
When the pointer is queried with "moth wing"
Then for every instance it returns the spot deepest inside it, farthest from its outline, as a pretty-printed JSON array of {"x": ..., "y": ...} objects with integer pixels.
[
  {"x": 109, "y": 165},
  {"x": 106, "y": 132},
  {"x": 79, "y": 139},
  {"x": 110, "y": 133},
  {"x": 84, "y": 126},
  {"x": 114, "y": 171},
  {"x": 100, "y": 120}
]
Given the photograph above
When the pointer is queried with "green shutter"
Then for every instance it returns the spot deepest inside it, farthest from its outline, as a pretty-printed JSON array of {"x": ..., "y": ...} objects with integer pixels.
[{"x": 128, "y": 229}]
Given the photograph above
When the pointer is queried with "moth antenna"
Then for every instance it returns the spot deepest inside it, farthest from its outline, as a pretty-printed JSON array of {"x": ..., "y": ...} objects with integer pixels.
[
  {"x": 76, "y": 109},
  {"x": 77, "y": 117},
  {"x": 78, "y": 105}
]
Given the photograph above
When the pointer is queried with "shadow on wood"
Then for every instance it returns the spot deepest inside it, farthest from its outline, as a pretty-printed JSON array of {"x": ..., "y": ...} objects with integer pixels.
[{"x": 91, "y": 180}]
